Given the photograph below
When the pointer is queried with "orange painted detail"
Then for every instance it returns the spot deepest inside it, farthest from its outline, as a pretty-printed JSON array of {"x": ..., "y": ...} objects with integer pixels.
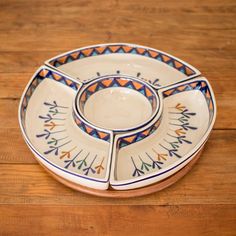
[
  {"x": 148, "y": 92},
  {"x": 107, "y": 82},
  {"x": 99, "y": 167},
  {"x": 127, "y": 48},
  {"x": 137, "y": 85},
  {"x": 100, "y": 49},
  {"x": 157, "y": 124},
  {"x": 153, "y": 53},
  {"x": 122, "y": 82},
  {"x": 56, "y": 76},
  {"x": 179, "y": 132},
  {"x": 87, "y": 52},
  {"x": 83, "y": 97},
  {"x": 43, "y": 73},
  {"x": 74, "y": 55},
  {"x": 69, "y": 82},
  {"x": 62, "y": 59},
  {"x": 162, "y": 157},
  {"x": 114, "y": 48},
  {"x": 181, "y": 88},
  {"x": 102, "y": 134},
  {"x": 51, "y": 125},
  {"x": 210, "y": 105},
  {"x": 130, "y": 139},
  {"x": 165, "y": 58},
  {"x": 78, "y": 122},
  {"x": 67, "y": 153},
  {"x": 208, "y": 94},
  {"x": 88, "y": 129},
  {"x": 92, "y": 88},
  {"x": 168, "y": 92},
  {"x": 180, "y": 107},
  {"x": 188, "y": 71},
  {"x": 140, "y": 50},
  {"x": 146, "y": 132},
  {"x": 178, "y": 64}
]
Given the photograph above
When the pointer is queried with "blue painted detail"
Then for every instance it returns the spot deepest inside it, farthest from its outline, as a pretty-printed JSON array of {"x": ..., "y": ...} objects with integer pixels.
[
  {"x": 133, "y": 51},
  {"x": 171, "y": 64},
  {"x": 94, "y": 53},
  {"x": 81, "y": 55},
  {"x": 120, "y": 50},
  {"x": 69, "y": 59}
]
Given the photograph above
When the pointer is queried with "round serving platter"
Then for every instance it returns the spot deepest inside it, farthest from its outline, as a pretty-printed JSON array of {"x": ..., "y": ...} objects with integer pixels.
[{"x": 118, "y": 119}]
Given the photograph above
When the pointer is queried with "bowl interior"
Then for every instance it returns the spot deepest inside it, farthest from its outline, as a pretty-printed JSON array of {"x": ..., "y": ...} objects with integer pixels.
[{"x": 117, "y": 103}]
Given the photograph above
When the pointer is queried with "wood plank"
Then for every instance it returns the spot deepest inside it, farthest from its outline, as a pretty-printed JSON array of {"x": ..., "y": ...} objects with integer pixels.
[
  {"x": 196, "y": 39},
  {"x": 118, "y": 220},
  {"x": 87, "y": 15},
  {"x": 211, "y": 181}
]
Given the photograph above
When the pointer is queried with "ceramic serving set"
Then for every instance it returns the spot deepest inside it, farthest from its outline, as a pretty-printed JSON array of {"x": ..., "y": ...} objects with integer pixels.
[{"x": 116, "y": 116}]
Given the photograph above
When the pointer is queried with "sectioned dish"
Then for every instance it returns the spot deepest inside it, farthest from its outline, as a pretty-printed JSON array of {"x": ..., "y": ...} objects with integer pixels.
[{"x": 117, "y": 116}]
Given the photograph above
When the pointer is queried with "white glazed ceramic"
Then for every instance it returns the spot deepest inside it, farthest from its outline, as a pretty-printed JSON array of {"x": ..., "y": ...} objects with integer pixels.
[
  {"x": 156, "y": 67},
  {"x": 187, "y": 119},
  {"x": 117, "y": 103},
  {"x": 117, "y": 115}
]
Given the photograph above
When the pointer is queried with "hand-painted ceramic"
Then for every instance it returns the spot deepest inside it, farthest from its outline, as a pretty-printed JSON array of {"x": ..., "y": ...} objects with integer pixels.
[{"x": 116, "y": 116}]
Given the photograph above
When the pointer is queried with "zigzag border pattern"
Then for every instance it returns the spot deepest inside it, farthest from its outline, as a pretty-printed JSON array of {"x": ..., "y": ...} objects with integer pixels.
[
  {"x": 41, "y": 75},
  {"x": 102, "y": 50},
  {"x": 90, "y": 130},
  {"x": 127, "y": 140},
  {"x": 118, "y": 82},
  {"x": 201, "y": 86}
]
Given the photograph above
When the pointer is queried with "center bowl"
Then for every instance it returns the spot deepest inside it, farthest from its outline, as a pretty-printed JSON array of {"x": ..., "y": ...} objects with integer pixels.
[{"x": 117, "y": 103}]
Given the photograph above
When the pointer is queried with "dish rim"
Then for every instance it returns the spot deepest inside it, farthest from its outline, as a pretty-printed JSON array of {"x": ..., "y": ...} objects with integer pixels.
[
  {"x": 157, "y": 112},
  {"x": 197, "y": 76},
  {"x": 48, "y": 62},
  {"x": 184, "y": 158},
  {"x": 37, "y": 152}
]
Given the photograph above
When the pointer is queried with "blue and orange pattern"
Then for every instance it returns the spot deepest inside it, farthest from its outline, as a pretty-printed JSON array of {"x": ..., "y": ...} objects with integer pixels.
[
  {"x": 39, "y": 77},
  {"x": 129, "y": 139},
  {"x": 199, "y": 85},
  {"x": 124, "y": 49},
  {"x": 117, "y": 81},
  {"x": 94, "y": 132}
]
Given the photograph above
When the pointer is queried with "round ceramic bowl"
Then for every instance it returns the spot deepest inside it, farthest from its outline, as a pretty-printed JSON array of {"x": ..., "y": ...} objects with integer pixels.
[
  {"x": 116, "y": 103},
  {"x": 118, "y": 116}
]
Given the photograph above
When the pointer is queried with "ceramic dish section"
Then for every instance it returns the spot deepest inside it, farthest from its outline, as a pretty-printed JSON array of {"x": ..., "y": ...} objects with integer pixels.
[
  {"x": 48, "y": 127},
  {"x": 117, "y": 103},
  {"x": 188, "y": 116},
  {"x": 156, "y": 67}
]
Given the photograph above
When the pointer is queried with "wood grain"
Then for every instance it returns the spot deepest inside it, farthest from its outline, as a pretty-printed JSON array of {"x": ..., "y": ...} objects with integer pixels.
[
  {"x": 202, "y": 33},
  {"x": 118, "y": 220}
]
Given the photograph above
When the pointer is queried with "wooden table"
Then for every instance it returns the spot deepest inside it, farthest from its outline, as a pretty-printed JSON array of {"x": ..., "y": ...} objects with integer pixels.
[{"x": 202, "y": 33}]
